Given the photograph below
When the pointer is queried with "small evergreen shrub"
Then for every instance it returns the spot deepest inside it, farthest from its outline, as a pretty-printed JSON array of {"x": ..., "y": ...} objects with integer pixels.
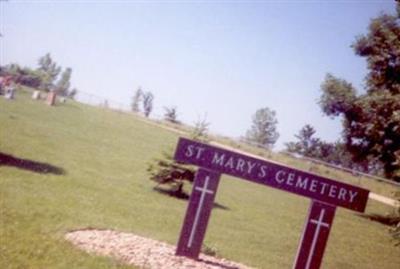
[{"x": 170, "y": 175}]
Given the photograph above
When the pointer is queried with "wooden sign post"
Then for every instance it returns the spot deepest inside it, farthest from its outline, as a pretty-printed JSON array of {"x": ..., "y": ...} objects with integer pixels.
[
  {"x": 199, "y": 210},
  {"x": 325, "y": 193},
  {"x": 315, "y": 236}
]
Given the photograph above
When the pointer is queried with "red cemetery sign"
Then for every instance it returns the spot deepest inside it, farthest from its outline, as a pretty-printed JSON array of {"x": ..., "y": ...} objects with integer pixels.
[
  {"x": 259, "y": 171},
  {"x": 271, "y": 174}
]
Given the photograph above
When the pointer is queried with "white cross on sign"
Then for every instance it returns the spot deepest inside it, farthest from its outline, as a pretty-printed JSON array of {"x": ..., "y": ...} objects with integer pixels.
[
  {"x": 313, "y": 242},
  {"x": 198, "y": 213},
  {"x": 319, "y": 224},
  {"x": 204, "y": 190}
]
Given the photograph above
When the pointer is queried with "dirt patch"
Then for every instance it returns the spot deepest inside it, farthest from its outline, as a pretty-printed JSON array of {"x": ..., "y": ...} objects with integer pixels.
[{"x": 142, "y": 252}]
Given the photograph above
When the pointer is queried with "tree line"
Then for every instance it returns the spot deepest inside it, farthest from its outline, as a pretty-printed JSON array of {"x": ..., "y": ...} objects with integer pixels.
[
  {"x": 370, "y": 139},
  {"x": 48, "y": 76},
  {"x": 370, "y": 119}
]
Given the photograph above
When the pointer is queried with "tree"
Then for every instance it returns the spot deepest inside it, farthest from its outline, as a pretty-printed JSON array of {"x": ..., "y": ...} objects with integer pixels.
[
  {"x": 72, "y": 93},
  {"x": 171, "y": 114},
  {"x": 371, "y": 120},
  {"x": 307, "y": 145},
  {"x": 381, "y": 48},
  {"x": 49, "y": 72},
  {"x": 148, "y": 98},
  {"x": 136, "y": 100},
  {"x": 337, "y": 154},
  {"x": 29, "y": 77},
  {"x": 200, "y": 129},
  {"x": 64, "y": 83},
  {"x": 337, "y": 96},
  {"x": 22, "y": 75},
  {"x": 263, "y": 131}
]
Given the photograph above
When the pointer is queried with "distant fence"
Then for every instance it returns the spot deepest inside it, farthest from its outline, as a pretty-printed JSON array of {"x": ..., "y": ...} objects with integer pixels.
[
  {"x": 348, "y": 170},
  {"x": 338, "y": 167},
  {"x": 107, "y": 103},
  {"x": 99, "y": 101}
]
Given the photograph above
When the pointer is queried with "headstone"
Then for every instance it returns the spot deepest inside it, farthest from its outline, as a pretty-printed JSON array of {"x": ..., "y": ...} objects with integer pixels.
[
  {"x": 36, "y": 95},
  {"x": 1, "y": 85},
  {"x": 325, "y": 193},
  {"x": 9, "y": 92},
  {"x": 51, "y": 98}
]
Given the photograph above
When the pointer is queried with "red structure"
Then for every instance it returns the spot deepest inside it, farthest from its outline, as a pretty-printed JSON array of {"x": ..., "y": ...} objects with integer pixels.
[
  {"x": 325, "y": 193},
  {"x": 51, "y": 98},
  {"x": 315, "y": 235},
  {"x": 199, "y": 210}
]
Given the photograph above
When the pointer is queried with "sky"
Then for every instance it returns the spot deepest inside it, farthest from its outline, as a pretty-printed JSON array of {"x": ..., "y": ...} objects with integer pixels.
[{"x": 221, "y": 60}]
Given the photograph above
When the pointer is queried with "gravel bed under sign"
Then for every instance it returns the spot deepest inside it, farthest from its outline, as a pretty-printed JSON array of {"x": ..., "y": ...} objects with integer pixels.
[{"x": 142, "y": 252}]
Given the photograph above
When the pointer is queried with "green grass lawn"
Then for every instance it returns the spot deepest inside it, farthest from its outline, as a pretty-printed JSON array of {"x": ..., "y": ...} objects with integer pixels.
[{"x": 104, "y": 185}]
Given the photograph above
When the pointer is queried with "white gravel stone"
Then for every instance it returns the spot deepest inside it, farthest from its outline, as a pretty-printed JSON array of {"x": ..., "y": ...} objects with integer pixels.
[{"x": 142, "y": 252}]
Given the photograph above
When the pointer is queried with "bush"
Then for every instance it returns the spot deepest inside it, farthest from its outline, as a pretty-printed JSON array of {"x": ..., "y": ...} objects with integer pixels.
[
  {"x": 171, "y": 114},
  {"x": 167, "y": 172},
  {"x": 209, "y": 250}
]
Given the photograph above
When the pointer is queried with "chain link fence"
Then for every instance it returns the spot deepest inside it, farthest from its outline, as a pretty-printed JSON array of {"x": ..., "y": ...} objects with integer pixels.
[{"x": 241, "y": 143}]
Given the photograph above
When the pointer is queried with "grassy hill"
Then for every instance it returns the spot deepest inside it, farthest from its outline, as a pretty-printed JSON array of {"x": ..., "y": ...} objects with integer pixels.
[{"x": 75, "y": 166}]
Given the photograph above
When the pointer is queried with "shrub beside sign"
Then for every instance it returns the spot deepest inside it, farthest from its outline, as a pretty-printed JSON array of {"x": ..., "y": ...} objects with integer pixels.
[{"x": 325, "y": 193}]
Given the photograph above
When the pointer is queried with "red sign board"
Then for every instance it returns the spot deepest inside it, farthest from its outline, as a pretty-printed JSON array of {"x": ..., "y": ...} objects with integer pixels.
[{"x": 272, "y": 174}]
